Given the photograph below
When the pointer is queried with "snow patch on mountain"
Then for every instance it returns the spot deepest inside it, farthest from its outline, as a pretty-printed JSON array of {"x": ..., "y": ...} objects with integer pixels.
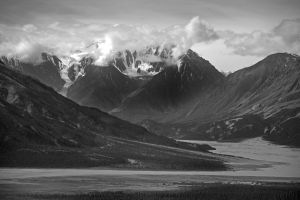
[
  {"x": 179, "y": 64},
  {"x": 66, "y": 63}
]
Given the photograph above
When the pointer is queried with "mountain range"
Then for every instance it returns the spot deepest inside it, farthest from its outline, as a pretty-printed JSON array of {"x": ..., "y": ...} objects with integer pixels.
[
  {"x": 41, "y": 128},
  {"x": 188, "y": 98}
]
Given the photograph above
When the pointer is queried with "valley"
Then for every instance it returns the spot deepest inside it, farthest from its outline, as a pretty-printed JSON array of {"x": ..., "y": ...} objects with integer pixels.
[
  {"x": 264, "y": 165},
  {"x": 50, "y": 145},
  {"x": 150, "y": 100}
]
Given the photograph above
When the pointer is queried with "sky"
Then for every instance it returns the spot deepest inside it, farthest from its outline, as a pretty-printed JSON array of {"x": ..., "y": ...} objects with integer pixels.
[{"x": 231, "y": 34}]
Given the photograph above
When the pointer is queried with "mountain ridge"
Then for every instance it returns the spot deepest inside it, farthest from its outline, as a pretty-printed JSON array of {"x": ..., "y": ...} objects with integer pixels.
[
  {"x": 264, "y": 90},
  {"x": 192, "y": 95},
  {"x": 41, "y": 128}
]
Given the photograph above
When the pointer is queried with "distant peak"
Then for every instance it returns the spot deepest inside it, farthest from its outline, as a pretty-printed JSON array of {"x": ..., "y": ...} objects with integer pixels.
[
  {"x": 282, "y": 55},
  {"x": 191, "y": 56},
  {"x": 192, "y": 53},
  {"x": 13, "y": 62}
]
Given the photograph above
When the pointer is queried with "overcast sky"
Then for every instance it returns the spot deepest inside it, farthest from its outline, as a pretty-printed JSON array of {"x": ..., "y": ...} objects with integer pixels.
[{"x": 233, "y": 33}]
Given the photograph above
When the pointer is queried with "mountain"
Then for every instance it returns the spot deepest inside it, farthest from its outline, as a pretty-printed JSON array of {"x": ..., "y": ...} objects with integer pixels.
[
  {"x": 185, "y": 98},
  {"x": 41, "y": 128},
  {"x": 193, "y": 100},
  {"x": 102, "y": 87},
  {"x": 110, "y": 83},
  {"x": 261, "y": 100},
  {"x": 145, "y": 62},
  {"x": 47, "y": 70},
  {"x": 106, "y": 87},
  {"x": 171, "y": 88},
  {"x": 11, "y": 62}
]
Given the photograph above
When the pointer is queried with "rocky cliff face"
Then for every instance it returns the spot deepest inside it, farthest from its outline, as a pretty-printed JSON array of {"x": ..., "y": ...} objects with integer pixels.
[{"x": 146, "y": 62}]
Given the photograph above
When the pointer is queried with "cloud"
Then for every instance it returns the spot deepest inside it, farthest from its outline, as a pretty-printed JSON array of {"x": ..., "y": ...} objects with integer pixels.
[
  {"x": 285, "y": 37},
  {"x": 196, "y": 31},
  {"x": 289, "y": 30},
  {"x": 64, "y": 39},
  {"x": 29, "y": 28},
  {"x": 29, "y": 40},
  {"x": 200, "y": 31}
]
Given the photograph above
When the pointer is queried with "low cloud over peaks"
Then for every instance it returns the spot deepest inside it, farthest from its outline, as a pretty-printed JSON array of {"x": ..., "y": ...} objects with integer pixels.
[
  {"x": 285, "y": 37},
  {"x": 28, "y": 41},
  {"x": 289, "y": 30}
]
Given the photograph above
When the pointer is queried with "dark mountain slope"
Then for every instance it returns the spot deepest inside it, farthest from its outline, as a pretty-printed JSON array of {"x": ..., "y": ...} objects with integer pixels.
[
  {"x": 266, "y": 85},
  {"x": 102, "y": 87},
  {"x": 47, "y": 71},
  {"x": 171, "y": 88},
  {"x": 105, "y": 87},
  {"x": 40, "y": 128},
  {"x": 254, "y": 90},
  {"x": 260, "y": 100}
]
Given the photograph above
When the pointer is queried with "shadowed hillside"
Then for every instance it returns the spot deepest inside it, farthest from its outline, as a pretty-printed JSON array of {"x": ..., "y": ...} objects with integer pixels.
[{"x": 40, "y": 128}]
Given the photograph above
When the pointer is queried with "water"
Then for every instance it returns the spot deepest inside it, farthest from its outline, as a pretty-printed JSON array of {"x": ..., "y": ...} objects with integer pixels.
[
  {"x": 285, "y": 160},
  {"x": 285, "y": 168}
]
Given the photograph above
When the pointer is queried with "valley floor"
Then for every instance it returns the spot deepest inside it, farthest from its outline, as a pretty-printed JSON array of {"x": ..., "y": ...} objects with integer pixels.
[
  {"x": 262, "y": 170},
  {"x": 285, "y": 160},
  {"x": 207, "y": 191}
]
